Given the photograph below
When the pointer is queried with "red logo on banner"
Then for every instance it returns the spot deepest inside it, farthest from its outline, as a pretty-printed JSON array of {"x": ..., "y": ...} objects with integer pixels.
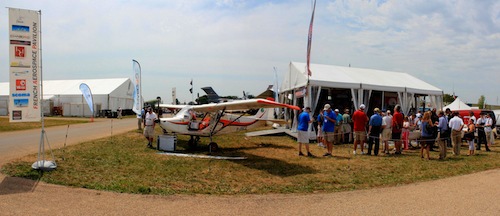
[
  {"x": 19, "y": 51},
  {"x": 20, "y": 85}
]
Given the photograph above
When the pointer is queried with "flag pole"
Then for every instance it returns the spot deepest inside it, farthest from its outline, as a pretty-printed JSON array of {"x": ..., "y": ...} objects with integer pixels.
[
  {"x": 42, "y": 164},
  {"x": 307, "y": 95},
  {"x": 191, "y": 90}
]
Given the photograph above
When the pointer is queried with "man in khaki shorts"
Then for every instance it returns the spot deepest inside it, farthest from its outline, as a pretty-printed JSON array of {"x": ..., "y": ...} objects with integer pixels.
[
  {"x": 149, "y": 126},
  {"x": 386, "y": 130},
  {"x": 360, "y": 120}
]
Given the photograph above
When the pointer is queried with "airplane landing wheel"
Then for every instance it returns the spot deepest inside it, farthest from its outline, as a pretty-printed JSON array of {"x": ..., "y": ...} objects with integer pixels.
[{"x": 213, "y": 147}]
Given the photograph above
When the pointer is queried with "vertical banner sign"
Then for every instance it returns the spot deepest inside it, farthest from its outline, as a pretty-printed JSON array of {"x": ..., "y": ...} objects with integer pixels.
[
  {"x": 137, "y": 87},
  {"x": 87, "y": 94},
  {"x": 24, "y": 61},
  {"x": 309, "y": 40}
]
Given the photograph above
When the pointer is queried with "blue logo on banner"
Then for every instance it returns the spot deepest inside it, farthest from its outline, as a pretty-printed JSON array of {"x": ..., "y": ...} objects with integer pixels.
[
  {"x": 20, "y": 28},
  {"x": 21, "y": 102},
  {"x": 20, "y": 94}
]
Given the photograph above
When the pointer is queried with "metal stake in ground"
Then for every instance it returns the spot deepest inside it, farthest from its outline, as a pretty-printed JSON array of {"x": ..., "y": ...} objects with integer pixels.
[{"x": 64, "y": 148}]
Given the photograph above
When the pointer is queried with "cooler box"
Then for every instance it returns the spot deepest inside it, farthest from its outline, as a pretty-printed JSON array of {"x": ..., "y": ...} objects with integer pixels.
[{"x": 167, "y": 142}]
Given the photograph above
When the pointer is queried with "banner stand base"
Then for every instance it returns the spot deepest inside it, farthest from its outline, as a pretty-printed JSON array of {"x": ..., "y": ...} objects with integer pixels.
[{"x": 44, "y": 165}]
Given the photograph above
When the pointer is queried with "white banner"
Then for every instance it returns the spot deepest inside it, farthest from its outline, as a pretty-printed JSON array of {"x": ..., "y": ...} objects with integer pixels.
[
  {"x": 137, "y": 108},
  {"x": 24, "y": 58},
  {"x": 87, "y": 94}
]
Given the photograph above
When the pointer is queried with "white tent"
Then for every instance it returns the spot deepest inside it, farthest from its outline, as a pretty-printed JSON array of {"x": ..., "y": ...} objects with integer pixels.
[
  {"x": 4, "y": 99},
  {"x": 361, "y": 83},
  {"x": 108, "y": 94},
  {"x": 457, "y": 104}
]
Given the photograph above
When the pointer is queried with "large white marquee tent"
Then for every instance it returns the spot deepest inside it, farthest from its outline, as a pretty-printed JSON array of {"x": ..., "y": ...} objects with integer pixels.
[
  {"x": 108, "y": 94},
  {"x": 360, "y": 84}
]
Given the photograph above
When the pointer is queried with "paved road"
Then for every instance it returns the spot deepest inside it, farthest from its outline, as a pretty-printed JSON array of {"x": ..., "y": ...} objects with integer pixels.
[
  {"x": 19, "y": 143},
  {"x": 475, "y": 194}
]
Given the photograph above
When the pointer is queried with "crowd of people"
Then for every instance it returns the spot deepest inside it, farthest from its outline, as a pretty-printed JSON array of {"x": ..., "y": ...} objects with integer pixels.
[{"x": 443, "y": 130}]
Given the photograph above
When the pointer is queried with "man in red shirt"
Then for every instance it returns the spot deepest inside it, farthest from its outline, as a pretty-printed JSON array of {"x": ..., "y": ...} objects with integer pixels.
[
  {"x": 397, "y": 126},
  {"x": 360, "y": 119}
]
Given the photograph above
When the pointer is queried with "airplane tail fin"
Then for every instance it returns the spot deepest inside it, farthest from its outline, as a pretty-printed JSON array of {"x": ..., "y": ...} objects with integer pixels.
[
  {"x": 262, "y": 113},
  {"x": 212, "y": 96},
  {"x": 268, "y": 94}
]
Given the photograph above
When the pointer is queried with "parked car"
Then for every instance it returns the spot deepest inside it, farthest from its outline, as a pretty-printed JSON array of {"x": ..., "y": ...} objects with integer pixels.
[{"x": 465, "y": 114}]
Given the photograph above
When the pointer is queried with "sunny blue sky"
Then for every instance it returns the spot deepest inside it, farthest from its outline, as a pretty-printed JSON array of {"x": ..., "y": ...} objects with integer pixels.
[{"x": 233, "y": 45}]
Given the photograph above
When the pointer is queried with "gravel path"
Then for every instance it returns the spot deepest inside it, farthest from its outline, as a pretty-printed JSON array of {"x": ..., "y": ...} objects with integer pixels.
[{"x": 474, "y": 194}]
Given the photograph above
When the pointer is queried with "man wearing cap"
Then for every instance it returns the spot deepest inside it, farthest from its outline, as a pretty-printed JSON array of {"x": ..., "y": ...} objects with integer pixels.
[
  {"x": 328, "y": 128},
  {"x": 149, "y": 126},
  {"x": 338, "y": 127},
  {"x": 303, "y": 131},
  {"x": 360, "y": 119},
  {"x": 374, "y": 131}
]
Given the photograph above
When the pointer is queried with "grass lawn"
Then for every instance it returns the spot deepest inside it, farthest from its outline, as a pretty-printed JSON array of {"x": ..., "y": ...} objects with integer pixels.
[
  {"x": 5, "y": 125},
  {"x": 124, "y": 164}
]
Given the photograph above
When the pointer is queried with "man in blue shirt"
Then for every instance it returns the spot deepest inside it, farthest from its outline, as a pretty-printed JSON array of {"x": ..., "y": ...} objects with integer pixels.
[
  {"x": 374, "y": 131},
  {"x": 329, "y": 128},
  {"x": 444, "y": 134},
  {"x": 338, "y": 127},
  {"x": 303, "y": 131}
]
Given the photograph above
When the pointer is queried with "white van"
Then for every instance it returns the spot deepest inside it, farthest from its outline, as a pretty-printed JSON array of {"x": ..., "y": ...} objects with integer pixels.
[{"x": 497, "y": 117}]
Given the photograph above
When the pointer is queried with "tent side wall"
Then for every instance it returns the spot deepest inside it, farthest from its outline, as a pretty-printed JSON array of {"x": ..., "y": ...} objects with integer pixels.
[
  {"x": 4, "y": 105},
  {"x": 122, "y": 96}
]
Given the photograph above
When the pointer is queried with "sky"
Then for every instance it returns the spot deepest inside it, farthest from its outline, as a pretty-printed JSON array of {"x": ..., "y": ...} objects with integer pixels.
[{"x": 234, "y": 45}]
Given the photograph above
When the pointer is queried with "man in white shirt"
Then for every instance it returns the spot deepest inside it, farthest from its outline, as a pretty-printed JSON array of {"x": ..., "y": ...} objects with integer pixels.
[
  {"x": 386, "y": 130},
  {"x": 417, "y": 121},
  {"x": 456, "y": 124},
  {"x": 149, "y": 126},
  {"x": 481, "y": 131},
  {"x": 472, "y": 117},
  {"x": 487, "y": 129}
]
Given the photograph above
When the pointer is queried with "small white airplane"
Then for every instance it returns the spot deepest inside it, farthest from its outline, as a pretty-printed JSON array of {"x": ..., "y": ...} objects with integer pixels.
[{"x": 215, "y": 119}]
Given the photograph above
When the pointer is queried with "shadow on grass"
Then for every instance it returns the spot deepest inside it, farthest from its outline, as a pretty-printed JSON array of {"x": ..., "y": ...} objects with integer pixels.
[
  {"x": 274, "y": 166},
  {"x": 269, "y": 165},
  {"x": 342, "y": 157},
  {"x": 22, "y": 184},
  {"x": 454, "y": 158},
  {"x": 261, "y": 145},
  {"x": 223, "y": 151}
]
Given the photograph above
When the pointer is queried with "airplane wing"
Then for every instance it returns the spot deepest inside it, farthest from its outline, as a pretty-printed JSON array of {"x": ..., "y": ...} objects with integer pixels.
[
  {"x": 172, "y": 106},
  {"x": 242, "y": 105}
]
